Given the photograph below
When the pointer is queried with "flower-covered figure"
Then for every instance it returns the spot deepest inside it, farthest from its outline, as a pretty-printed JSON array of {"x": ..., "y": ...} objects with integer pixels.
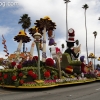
[
  {"x": 51, "y": 38},
  {"x": 83, "y": 65},
  {"x": 57, "y": 55},
  {"x": 70, "y": 44}
]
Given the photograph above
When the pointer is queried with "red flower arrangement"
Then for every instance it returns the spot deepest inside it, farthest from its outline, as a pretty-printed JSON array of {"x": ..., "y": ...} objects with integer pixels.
[
  {"x": 46, "y": 74},
  {"x": 0, "y": 74},
  {"x": 19, "y": 66},
  {"x": 5, "y": 76},
  {"x": 0, "y": 79},
  {"x": 35, "y": 58},
  {"x": 14, "y": 78},
  {"x": 34, "y": 76},
  {"x": 13, "y": 63},
  {"x": 30, "y": 72},
  {"x": 55, "y": 77},
  {"x": 21, "y": 81},
  {"x": 20, "y": 74},
  {"x": 49, "y": 62}
]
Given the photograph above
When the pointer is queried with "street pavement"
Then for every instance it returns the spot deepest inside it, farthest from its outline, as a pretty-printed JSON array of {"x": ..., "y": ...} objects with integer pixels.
[{"x": 89, "y": 91}]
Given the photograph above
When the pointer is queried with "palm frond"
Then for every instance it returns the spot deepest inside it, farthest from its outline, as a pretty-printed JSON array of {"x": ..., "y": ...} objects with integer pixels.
[
  {"x": 95, "y": 34},
  {"x": 85, "y": 6},
  {"x": 25, "y": 21},
  {"x": 67, "y": 1}
]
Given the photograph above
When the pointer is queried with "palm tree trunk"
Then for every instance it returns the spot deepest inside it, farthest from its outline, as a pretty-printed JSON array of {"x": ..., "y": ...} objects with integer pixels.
[
  {"x": 86, "y": 38},
  {"x": 44, "y": 45},
  {"x": 94, "y": 54},
  {"x": 66, "y": 22}
]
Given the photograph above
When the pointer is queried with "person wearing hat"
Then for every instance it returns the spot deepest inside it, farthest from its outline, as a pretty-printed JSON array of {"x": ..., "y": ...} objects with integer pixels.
[
  {"x": 83, "y": 65},
  {"x": 70, "y": 44}
]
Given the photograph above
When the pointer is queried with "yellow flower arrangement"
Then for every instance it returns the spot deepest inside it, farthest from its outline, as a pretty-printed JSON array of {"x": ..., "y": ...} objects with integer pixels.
[
  {"x": 33, "y": 27},
  {"x": 22, "y": 33},
  {"x": 47, "y": 17},
  {"x": 91, "y": 55},
  {"x": 99, "y": 59},
  {"x": 39, "y": 81}
]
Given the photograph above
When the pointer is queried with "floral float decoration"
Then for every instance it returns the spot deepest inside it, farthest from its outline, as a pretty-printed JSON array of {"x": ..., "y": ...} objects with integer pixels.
[
  {"x": 22, "y": 70},
  {"x": 5, "y": 46},
  {"x": 21, "y": 38}
]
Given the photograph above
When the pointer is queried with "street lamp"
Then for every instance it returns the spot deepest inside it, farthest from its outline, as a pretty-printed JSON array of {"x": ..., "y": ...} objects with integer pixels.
[
  {"x": 95, "y": 34},
  {"x": 37, "y": 37},
  {"x": 66, "y": 1}
]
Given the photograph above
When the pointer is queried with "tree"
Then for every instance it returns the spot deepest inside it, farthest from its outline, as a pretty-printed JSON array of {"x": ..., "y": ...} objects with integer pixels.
[
  {"x": 95, "y": 34},
  {"x": 85, "y": 7},
  {"x": 66, "y": 1},
  {"x": 26, "y": 22}
]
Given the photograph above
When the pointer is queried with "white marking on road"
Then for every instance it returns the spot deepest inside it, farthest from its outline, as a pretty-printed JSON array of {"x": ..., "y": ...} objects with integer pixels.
[{"x": 98, "y": 89}]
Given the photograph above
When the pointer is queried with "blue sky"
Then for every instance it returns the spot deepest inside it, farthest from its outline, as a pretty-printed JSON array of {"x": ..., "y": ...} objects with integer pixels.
[{"x": 56, "y": 9}]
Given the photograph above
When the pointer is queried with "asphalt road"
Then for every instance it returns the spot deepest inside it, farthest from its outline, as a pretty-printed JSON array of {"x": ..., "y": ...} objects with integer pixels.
[{"x": 81, "y": 92}]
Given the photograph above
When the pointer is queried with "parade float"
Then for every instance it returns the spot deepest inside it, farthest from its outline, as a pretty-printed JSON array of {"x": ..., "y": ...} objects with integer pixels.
[{"x": 24, "y": 70}]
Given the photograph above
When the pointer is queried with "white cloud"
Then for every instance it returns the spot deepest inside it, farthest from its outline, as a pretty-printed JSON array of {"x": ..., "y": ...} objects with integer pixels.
[
  {"x": 56, "y": 9},
  {"x": 5, "y": 30}
]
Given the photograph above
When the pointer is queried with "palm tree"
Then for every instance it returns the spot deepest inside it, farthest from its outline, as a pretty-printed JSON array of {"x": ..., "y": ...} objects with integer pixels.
[
  {"x": 26, "y": 22},
  {"x": 95, "y": 34},
  {"x": 85, "y": 7},
  {"x": 66, "y": 1}
]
